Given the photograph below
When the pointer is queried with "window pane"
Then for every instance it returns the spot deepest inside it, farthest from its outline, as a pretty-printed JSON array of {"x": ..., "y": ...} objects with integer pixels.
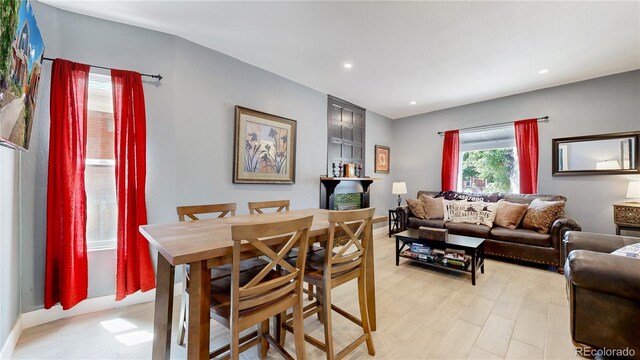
[
  {"x": 100, "y": 185},
  {"x": 494, "y": 170}
]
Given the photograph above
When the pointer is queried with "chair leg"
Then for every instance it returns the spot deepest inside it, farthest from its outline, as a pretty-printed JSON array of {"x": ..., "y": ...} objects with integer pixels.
[
  {"x": 281, "y": 332},
  {"x": 298, "y": 330},
  {"x": 234, "y": 346},
  {"x": 364, "y": 314},
  {"x": 326, "y": 315},
  {"x": 319, "y": 302},
  {"x": 310, "y": 288},
  {"x": 182, "y": 324},
  {"x": 263, "y": 329}
]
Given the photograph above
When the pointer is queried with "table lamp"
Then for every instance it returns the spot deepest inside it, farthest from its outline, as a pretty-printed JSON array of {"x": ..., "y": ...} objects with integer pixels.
[
  {"x": 399, "y": 188},
  {"x": 633, "y": 191}
]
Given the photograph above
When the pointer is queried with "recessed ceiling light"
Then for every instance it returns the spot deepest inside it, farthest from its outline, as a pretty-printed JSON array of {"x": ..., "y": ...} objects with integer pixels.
[
  {"x": 543, "y": 71},
  {"x": 348, "y": 65},
  {"x": 412, "y": 103}
]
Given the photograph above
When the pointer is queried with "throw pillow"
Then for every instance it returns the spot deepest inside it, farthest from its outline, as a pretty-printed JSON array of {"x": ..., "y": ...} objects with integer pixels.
[
  {"x": 460, "y": 211},
  {"x": 510, "y": 214},
  {"x": 541, "y": 214},
  {"x": 632, "y": 250},
  {"x": 487, "y": 213},
  {"x": 434, "y": 209},
  {"x": 416, "y": 207}
]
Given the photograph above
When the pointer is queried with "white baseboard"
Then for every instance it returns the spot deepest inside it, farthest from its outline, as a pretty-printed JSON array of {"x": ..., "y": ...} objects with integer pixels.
[
  {"x": 12, "y": 340},
  {"x": 380, "y": 230},
  {"x": 43, "y": 316}
]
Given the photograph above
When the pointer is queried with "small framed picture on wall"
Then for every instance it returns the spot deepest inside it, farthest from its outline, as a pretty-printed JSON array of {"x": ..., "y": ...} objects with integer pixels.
[{"x": 382, "y": 160}]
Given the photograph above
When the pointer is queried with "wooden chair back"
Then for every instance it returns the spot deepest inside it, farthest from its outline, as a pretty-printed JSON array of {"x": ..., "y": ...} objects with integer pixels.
[
  {"x": 193, "y": 210},
  {"x": 273, "y": 241},
  {"x": 355, "y": 227},
  {"x": 258, "y": 206}
]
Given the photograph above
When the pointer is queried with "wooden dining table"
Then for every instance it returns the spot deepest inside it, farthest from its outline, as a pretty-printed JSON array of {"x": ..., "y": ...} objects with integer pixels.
[{"x": 204, "y": 244}]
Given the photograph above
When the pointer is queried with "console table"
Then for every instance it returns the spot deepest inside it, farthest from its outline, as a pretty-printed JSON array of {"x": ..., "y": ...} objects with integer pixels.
[{"x": 626, "y": 216}]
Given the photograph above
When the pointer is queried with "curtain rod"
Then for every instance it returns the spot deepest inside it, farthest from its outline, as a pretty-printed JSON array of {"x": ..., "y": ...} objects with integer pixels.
[
  {"x": 159, "y": 77},
  {"x": 540, "y": 119}
]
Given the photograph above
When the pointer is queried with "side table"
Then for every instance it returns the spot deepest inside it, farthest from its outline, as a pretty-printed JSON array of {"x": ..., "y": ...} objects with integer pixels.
[
  {"x": 626, "y": 216},
  {"x": 394, "y": 222}
]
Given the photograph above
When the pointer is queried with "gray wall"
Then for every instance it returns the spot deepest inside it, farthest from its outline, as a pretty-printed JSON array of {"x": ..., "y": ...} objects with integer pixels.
[
  {"x": 603, "y": 105},
  {"x": 189, "y": 131},
  {"x": 9, "y": 240}
]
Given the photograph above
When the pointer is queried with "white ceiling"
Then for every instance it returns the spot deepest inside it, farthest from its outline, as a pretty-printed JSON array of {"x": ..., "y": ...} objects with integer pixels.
[{"x": 439, "y": 54}]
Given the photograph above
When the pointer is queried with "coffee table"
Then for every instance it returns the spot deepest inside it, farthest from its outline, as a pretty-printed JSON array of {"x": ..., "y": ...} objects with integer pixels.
[{"x": 473, "y": 247}]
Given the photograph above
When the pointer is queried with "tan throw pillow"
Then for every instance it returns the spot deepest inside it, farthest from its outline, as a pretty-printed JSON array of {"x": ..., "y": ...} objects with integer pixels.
[
  {"x": 509, "y": 214},
  {"x": 416, "y": 207},
  {"x": 541, "y": 214},
  {"x": 433, "y": 207}
]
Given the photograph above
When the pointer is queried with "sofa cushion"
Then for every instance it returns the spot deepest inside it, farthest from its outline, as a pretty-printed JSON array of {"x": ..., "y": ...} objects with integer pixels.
[
  {"x": 481, "y": 231},
  {"x": 541, "y": 214},
  {"x": 415, "y": 223},
  {"x": 433, "y": 208},
  {"x": 509, "y": 214},
  {"x": 521, "y": 236},
  {"x": 417, "y": 208},
  {"x": 528, "y": 198}
]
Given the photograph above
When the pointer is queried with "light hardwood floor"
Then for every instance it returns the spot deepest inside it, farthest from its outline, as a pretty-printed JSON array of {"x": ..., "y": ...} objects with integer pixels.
[{"x": 514, "y": 312}]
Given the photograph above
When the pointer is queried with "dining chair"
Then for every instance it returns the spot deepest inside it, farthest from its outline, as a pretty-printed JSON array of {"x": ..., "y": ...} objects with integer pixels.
[
  {"x": 191, "y": 212},
  {"x": 258, "y": 206},
  {"x": 253, "y": 297},
  {"x": 335, "y": 266}
]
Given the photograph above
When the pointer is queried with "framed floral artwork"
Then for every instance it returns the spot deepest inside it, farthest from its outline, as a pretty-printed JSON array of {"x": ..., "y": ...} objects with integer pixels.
[
  {"x": 382, "y": 159},
  {"x": 264, "y": 148}
]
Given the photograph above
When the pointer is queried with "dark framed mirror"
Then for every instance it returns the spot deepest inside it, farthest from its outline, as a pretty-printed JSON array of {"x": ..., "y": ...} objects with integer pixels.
[{"x": 603, "y": 154}]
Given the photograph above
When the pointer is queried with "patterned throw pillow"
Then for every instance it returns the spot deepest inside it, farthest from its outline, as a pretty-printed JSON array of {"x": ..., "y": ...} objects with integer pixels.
[
  {"x": 541, "y": 214},
  {"x": 434, "y": 209},
  {"x": 509, "y": 214},
  {"x": 487, "y": 213},
  {"x": 632, "y": 251},
  {"x": 416, "y": 207},
  {"x": 476, "y": 212}
]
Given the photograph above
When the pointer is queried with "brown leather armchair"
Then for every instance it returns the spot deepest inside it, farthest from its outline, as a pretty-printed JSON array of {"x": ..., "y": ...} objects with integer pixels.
[{"x": 604, "y": 293}]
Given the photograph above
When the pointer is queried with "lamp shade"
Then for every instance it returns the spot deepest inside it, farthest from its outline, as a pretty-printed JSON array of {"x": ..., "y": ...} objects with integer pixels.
[
  {"x": 608, "y": 165},
  {"x": 633, "y": 191},
  {"x": 399, "y": 188}
]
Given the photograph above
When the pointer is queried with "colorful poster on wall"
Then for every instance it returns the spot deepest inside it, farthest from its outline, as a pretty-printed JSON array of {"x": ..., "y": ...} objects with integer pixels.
[{"x": 21, "y": 53}]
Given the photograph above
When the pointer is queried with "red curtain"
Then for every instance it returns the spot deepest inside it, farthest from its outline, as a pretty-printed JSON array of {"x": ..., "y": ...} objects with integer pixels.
[
  {"x": 66, "y": 257},
  {"x": 133, "y": 264},
  {"x": 450, "y": 160},
  {"x": 527, "y": 146}
]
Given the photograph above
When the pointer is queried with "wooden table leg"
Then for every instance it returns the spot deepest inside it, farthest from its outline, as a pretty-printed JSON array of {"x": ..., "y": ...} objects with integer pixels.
[
  {"x": 163, "y": 310},
  {"x": 371, "y": 285},
  {"x": 199, "y": 292}
]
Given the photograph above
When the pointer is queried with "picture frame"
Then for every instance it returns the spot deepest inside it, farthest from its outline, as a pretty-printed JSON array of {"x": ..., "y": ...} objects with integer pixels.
[
  {"x": 264, "y": 148},
  {"x": 382, "y": 159}
]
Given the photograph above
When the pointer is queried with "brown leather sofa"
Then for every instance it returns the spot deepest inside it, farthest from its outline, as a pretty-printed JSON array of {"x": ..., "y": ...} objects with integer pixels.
[
  {"x": 519, "y": 243},
  {"x": 604, "y": 293}
]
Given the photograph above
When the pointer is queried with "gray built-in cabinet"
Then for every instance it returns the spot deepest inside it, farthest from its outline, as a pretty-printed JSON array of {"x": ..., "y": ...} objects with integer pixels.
[{"x": 346, "y": 135}]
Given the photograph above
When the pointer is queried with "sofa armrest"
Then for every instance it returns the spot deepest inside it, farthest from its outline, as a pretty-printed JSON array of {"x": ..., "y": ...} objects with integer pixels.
[
  {"x": 595, "y": 242},
  {"x": 403, "y": 214},
  {"x": 615, "y": 275},
  {"x": 559, "y": 227}
]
